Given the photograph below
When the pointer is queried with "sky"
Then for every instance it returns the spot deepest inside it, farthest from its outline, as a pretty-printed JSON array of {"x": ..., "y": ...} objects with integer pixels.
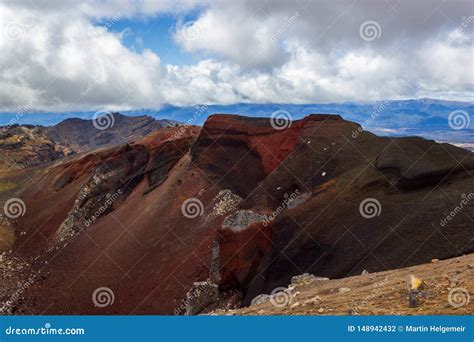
[{"x": 117, "y": 54}]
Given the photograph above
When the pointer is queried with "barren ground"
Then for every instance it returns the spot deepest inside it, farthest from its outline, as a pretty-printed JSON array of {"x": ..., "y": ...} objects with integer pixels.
[{"x": 381, "y": 293}]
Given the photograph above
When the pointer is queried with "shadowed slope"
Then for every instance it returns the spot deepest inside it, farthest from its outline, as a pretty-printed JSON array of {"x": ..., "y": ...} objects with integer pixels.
[{"x": 268, "y": 204}]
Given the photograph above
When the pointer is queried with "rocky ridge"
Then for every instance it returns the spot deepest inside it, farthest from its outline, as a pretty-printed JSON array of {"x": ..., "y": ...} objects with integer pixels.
[{"x": 266, "y": 204}]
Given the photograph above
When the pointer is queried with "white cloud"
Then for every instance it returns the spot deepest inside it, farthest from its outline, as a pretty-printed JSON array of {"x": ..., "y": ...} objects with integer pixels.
[
  {"x": 55, "y": 57},
  {"x": 62, "y": 62},
  {"x": 245, "y": 38}
]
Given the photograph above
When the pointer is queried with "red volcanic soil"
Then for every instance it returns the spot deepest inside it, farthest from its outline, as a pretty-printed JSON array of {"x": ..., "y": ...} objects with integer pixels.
[{"x": 266, "y": 204}]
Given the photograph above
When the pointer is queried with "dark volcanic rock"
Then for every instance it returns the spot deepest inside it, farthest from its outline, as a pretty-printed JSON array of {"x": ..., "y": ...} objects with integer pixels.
[
  {"x": 164, "y": 158},
  {"x": 418, "y": 162},
  {"x": 271, "y": 204}
]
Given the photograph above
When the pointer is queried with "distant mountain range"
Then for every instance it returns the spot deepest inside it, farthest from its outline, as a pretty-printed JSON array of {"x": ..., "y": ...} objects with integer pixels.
[
  {"x": 421, "y": 117},
  {"x": 32, "y": 145}
]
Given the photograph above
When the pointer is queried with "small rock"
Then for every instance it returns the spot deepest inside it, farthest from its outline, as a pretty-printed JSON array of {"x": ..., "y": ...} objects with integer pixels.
[
  {"x": 303, "y": 279},
  {"x": 453, "y": 281},
  {"x": 344, "y": 289},
  {"x": 320, "y": 310},
  {"x": 313, "y": 301},
  {"x": 260, "y": 299},
  {"x": 470, "y": 266},
  {"x": 365, "y": 272},
  {"x": 434, "y": 260}
]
